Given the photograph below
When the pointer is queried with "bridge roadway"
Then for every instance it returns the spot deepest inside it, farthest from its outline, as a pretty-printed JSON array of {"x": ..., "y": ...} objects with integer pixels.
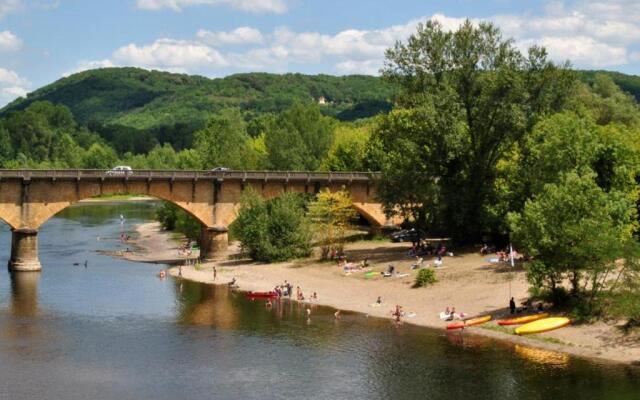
[{"x": 28, "y": 198}]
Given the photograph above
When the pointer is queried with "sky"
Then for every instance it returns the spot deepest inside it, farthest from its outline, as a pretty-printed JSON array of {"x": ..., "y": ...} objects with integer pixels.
[{"x": 44, "y": 40}]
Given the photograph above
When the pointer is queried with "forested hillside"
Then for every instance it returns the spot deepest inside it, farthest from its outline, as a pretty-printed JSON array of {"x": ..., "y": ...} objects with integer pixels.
[
  {"x": 134, "y": 109},
  {"x": 143, "y": 99}
]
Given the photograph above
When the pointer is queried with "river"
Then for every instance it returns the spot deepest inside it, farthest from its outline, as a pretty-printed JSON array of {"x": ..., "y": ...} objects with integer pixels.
[{"x": 113, "y": 330}]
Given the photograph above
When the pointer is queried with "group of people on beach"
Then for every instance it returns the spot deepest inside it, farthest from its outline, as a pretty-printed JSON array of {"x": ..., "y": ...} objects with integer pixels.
[
  {"x": 449, "y": 314},
  {"x": 186, "y": 249},
  {"x": 526, "y": 305}
]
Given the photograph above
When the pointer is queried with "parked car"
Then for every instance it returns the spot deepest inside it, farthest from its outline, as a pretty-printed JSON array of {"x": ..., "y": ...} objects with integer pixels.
[
  {"x": 120, "y": 170},
  {"x": 407, "y": 235}
]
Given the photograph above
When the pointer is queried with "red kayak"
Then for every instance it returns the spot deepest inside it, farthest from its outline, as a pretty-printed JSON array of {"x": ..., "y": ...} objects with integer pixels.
[{"x": 262, "y": 295}]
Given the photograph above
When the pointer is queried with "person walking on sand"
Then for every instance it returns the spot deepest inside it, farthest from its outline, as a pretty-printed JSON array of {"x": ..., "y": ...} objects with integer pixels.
[
  {"x": 512, "y": 306},
  {"x": 215, "y": 273}
]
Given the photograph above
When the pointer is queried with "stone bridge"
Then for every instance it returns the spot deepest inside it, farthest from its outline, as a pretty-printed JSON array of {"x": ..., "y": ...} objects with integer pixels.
[{"x": 28, "y": 198}]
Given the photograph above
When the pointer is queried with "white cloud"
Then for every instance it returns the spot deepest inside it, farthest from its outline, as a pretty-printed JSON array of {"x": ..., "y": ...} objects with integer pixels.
[
  {"x": 14, "y": 91},
  {"x": 87, "y": 64},
  {"x": 11, "y": 86},
  {"x": 584, "y": 51},
  {"x": 9, "y": 41},
  {"x": 11, "y": 78},
  {"x": 591, "y": 34},
  {"x": 9, "y": 6},
  {"x": 171, "y": 55},
  {"x": 367, "y": 67},
  {"x": 256, "y": 6},
  {"x": 242, "y": 35}
]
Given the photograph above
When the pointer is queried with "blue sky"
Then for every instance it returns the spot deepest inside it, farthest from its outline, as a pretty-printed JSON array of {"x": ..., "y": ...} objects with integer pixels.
[{"x": 43, "y": 40}]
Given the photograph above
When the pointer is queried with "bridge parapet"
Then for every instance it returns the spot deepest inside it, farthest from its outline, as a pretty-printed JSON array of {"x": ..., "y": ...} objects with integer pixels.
[{"x": 283, "y": 176}]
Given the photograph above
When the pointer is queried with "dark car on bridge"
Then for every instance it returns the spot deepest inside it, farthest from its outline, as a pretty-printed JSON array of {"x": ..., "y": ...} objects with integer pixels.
[{"x": 407, "y": 235}]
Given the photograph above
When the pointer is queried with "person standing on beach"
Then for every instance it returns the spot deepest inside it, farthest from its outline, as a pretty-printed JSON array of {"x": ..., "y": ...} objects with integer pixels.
[
  {"x": 215, "y": 272},
  {"x": 512, "y": 306}
]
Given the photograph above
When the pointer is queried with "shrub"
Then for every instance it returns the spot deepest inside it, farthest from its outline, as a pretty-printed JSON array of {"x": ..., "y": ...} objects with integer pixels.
[
  {"x": 425, "y": 277},
  {"x": 272, "y": 230}
]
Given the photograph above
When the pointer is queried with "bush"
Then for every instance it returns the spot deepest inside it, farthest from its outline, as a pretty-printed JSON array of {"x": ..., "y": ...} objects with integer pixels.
[
  {"x": 272, "y": 230},
  {"x": 425, "y": 277},
  {"x": 173, "y": 218}
]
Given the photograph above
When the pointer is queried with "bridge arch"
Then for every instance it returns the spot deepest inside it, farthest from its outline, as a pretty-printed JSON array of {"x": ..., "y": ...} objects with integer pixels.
[{"x": 49, "y": 198}]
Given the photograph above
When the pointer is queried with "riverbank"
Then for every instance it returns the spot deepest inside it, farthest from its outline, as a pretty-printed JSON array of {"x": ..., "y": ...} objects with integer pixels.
[
  {"x": 152, "y": 244},
  {"x": 467, "y": 282}
]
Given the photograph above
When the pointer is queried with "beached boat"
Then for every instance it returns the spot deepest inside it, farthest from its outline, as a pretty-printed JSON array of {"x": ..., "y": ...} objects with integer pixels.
[
  {"x": 469, "y": 322},
  {"x": 262, "y": 295},
  {"x": 542, "y": 325},
  {"x": 523, "y": 320}
]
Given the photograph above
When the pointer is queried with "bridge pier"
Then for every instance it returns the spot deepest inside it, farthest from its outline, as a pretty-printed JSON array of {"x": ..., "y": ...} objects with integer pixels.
[
  {"x": 24, "y": 250},
  {"x": 213, "y": 243}
]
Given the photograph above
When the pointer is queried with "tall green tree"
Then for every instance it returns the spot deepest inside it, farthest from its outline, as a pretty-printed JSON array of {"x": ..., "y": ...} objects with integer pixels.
[
  {"x": 162, "y": 157},
  {"x": 574, "y": 230},
  {"x": 348, "y": 150},
  {"x": 299, "y": 139},
  {"x": 6, "y": 150},
  {"x": 481, "y": 95},
  {"x": 223, "y": 142},
  {"x": 100, "y": 156}
]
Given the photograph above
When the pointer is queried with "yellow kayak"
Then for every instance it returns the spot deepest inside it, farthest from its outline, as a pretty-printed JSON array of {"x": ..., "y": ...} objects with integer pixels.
[
  {"x": 523, "y": 320},
  {"x": 542, "y": 325}
]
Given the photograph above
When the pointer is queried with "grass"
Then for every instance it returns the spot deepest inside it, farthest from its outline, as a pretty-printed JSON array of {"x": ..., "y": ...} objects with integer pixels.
[
  {"x": 509, "y": 331},
  {"x": 498, "y": 328}
]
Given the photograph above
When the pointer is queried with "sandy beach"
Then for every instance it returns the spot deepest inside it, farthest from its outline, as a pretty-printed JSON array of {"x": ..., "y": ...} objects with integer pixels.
[{"x": 466, "y": 281}]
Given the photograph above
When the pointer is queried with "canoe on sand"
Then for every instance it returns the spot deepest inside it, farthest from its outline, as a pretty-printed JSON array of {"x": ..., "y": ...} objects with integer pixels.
[
  {"x": 522, "y": 320},
  {"x": 542, "y": 325},
  {"x": 469, "y": 322}
]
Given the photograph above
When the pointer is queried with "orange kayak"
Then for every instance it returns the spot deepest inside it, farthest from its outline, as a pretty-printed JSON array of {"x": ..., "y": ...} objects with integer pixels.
[
  {"x": 469, "y": 322},
  {"x": 522, "y": 320}
]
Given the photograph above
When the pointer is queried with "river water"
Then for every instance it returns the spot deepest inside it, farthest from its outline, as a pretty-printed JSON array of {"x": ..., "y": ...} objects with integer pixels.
[{"x": 113, "y": 330}]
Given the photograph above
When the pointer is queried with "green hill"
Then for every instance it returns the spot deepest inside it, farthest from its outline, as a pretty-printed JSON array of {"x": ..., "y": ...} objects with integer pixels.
[
  {"x": 628, "y": 83},
  {"x": 127, "y": 105},
  {"x": 144, "y": 99}
]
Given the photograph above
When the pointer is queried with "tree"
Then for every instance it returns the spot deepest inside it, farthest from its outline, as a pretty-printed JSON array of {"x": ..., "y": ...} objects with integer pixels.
[
  {"x": 347, "y": 153},
  {"x": 162, "y": 157},
  {"x": 575, "y": 230},
  {"x": 189, "y": 159},
  {"x": 481, "y": 95},
  {"x": 100, "y": 157},
  {"x": 299, "y": 139},
  {"x": 332, "y": 215},
  {"x": 174, "y": 218},
  {"x": 223, "y": 141},
  {"x": 272, "y": 230},
  {"x": 6, "y": 150}
]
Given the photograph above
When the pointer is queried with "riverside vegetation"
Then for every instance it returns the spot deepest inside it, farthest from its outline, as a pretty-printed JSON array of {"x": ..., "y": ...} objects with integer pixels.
[{"x": 474, "y": 138}]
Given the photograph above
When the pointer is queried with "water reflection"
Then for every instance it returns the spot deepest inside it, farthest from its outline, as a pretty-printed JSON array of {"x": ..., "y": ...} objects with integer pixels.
[
  {"x": 24, "y": 294},
  {"x": 543, "y": 356}
]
